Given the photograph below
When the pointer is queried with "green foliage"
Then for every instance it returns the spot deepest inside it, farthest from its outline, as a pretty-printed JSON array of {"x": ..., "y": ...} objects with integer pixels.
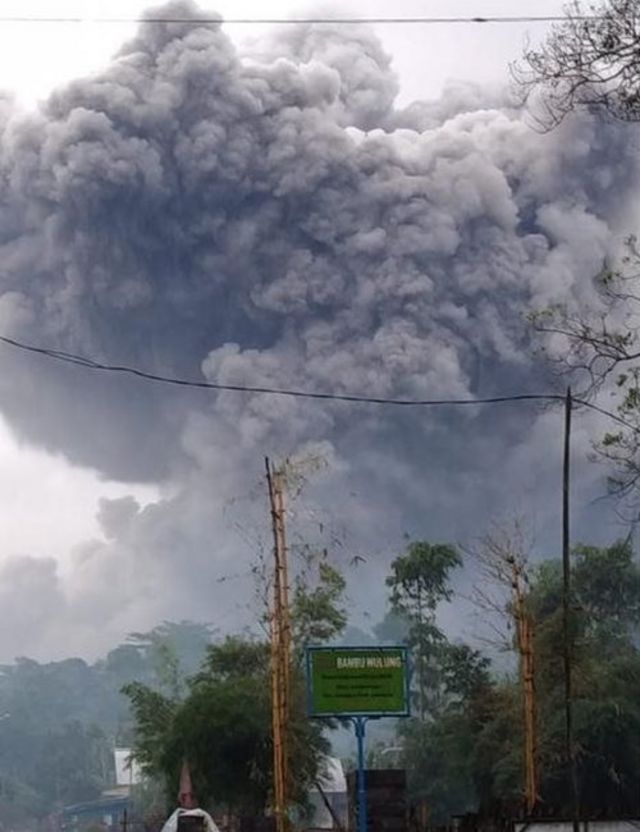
[
  {"x": 443, "y": 753},
  {"x": 153, "y": 714},
  {"x": 170, "y": 653},
  {"x": 467, "y": 751},
  {"x": 463, "y": 671},
  {"x": 75, "y": 763},
  {"x": 223, "y": 727},
  {"x": 393, "y": 629},
  {"x": 38, "y": 770},
  {"x": 418, "y": 583},
  {"x": 606, "y": 670},
  {"x": 437, "y": 755},
  {"x": 59, "y": 721},
  {"x": 451, "y": 686},
  {"x": 607, "y": 586},
  {"x": 606, "y": 610},
  {"x": 222, "y": 722},
  {"x": 317, "y": 612},
  {"x": 419, "y": 578},
  {"x": 496, "y": 758},
  {"x": 212, "y": 705},
  {"x": 235, "y": 658}
]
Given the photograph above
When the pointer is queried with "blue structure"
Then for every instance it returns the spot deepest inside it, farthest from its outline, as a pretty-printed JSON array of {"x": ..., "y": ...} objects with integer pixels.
[
  {"x": 361, "y": 717},
  {"x": 106, "y": 812}
]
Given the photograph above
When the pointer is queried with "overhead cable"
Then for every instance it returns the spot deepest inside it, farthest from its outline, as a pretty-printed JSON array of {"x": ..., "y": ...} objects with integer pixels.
[
  {"x": 92, "y": 364},
  {"x": 608, "y": 413},
  {"x": 346, "y": 21}
]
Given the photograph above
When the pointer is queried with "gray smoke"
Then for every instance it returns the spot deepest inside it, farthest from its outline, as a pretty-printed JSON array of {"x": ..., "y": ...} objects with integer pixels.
[{"x": 272, "y": 219}]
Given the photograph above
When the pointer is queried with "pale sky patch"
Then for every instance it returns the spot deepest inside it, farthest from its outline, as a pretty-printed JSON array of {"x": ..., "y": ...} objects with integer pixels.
[
  {"x": 37, "y": 57},
  {"x": 48, "y": 506}
]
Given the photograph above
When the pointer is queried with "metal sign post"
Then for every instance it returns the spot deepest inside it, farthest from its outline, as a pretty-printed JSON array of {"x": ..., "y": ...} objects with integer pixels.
[
  {"x": 359, "y": 724},
  {"x": 358, "y": 683}
]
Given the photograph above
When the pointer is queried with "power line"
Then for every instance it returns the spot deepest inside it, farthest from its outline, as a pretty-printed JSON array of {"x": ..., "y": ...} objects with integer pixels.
[
  {"x": 91, "y": 364},
  {"x": 608, "y": 413},
  {"x": 346, "y": 21}
]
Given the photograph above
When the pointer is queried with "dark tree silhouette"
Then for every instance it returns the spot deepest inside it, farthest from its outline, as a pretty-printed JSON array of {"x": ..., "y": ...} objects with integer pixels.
[{"x": 590, "y": 60}]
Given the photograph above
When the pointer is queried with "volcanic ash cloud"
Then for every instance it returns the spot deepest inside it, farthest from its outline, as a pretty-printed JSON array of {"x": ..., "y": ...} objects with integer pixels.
[{"x": 271, "y": 219}]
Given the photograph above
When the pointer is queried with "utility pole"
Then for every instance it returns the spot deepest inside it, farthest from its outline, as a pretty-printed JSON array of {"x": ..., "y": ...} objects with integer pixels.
[
  {"x": 566, "y": 614},
  {"x": 280, "y": 650}
]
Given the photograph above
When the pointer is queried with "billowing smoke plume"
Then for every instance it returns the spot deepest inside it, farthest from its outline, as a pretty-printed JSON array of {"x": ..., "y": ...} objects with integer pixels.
[{"x": 272, "y": 219}]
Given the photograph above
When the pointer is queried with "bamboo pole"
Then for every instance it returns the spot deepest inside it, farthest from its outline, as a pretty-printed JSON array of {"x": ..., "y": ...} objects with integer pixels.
[
  {"x": 524, "y": 630},
  {"x": 280, "y": 651}
]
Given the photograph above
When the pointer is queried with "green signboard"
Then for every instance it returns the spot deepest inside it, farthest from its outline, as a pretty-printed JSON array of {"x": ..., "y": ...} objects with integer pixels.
[{"x": 357, "y": 681}]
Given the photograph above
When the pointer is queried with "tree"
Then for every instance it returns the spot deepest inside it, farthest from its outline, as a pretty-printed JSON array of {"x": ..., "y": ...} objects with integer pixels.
[
  {"x": 317, "y": 608},
  {"x": 221, "y": 719},
  {"x": 223, "y": 727},
  {"x": 393, "y": 629},
  {"x": 606, "y": 677},
  {"x": 153, "y": 714},
  {"x": 599, "y": 347},
  {"x": 502, "y": 558},
  {"x": 468, "y": 753},
  {"x": 449, "y": 681},
  {"x": 170, "y": 653},
  {"x": 439, "y": 753},
  {"x": 60, "y": 720},
  {"x": 75, "y": 764},
  {"x": 488, "y": 752},
  {"x": 496, "y": 756},
  {"x": 590, "y": 60},
  {"x": 418, "y": 583},
  {"x": 52, "y": 766},
  {"x": 607, "y": 586}
]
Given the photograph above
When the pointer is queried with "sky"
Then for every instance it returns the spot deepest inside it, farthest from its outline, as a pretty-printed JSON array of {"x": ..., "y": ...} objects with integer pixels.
[
  {"x": 274, "y": 209},
  {"x": 425, "y": 57}
]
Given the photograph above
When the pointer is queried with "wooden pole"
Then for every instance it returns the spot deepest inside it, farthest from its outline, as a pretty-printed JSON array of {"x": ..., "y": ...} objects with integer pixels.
[
  {"x": 280, "y": 651},
  {"x": 566, "y": 614},
  {"x": 285, "y": 641},
  {"x": 524, "y": 631},
  {"x": 283, "y": 587}
]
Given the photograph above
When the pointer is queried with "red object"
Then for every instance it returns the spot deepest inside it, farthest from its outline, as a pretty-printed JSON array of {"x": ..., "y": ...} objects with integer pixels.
[{"x": 186, "y": 797}]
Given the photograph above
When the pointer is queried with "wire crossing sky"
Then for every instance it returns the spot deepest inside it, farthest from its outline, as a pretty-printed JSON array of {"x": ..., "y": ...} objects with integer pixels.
[
  {"x": 92, "y": 364},
  {"x": 347, "y": 21},
  {"x": 280, "y": 217}
]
